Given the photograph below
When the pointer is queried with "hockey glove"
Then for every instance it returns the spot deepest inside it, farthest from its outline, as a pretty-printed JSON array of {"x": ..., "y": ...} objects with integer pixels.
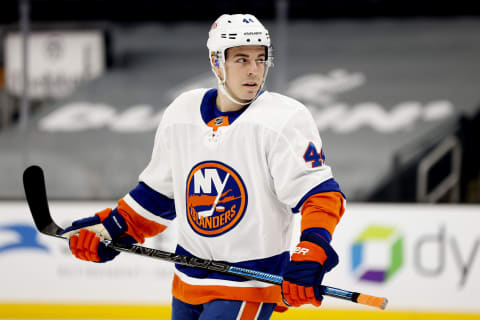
[
  {"x": 304, "y": 273},
  {"x": 85, "y": 236}
]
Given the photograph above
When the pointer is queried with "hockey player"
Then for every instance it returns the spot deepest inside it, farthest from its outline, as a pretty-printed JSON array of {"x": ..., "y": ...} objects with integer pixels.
[{"x": 231, "y": 165}]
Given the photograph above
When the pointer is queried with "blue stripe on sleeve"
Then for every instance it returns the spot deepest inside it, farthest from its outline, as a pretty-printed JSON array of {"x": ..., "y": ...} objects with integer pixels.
[
  {"x": 273, "y": 265},
  {"x": 153, "y": 201},
  {"x": 327, "y": 186}
]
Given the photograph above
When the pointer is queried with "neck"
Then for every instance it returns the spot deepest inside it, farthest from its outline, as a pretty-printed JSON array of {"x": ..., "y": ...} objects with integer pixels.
[{"x": 224, "y": 104}]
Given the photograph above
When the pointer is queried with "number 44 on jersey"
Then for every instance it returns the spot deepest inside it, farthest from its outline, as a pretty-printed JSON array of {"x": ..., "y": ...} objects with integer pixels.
[{"x": 312, "y": 155}]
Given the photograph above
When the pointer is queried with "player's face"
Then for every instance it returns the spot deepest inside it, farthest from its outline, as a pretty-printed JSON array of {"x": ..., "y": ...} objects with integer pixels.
[{"x": 245, "y": 67}]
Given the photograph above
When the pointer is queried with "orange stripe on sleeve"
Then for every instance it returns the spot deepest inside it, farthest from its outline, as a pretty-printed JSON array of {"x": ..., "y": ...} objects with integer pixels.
[
  {"x": 138, "y": 227},
  {"x": 322, "y": 210}
]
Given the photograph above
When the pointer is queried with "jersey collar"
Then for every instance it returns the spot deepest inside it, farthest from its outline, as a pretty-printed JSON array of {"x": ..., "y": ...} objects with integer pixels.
[{"x": 212, "y": 116}]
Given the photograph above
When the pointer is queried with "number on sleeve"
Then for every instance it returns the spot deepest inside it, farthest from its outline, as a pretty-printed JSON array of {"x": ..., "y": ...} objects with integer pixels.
[{"x": 313, "y": 156}]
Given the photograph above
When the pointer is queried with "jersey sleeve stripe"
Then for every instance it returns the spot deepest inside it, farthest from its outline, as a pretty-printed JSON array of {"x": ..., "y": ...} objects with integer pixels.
[
  {"x": 322, "y": 210},
  {"x": 144, "y": 212},
  {"x": 139, "y": 227},
  {"x": 153, "y": 201},
  {"x": 329, "y": 185}
]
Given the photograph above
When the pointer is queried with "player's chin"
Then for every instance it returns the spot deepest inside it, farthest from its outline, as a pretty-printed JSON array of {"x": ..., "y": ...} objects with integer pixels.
[{"x": 249, "y": 93}]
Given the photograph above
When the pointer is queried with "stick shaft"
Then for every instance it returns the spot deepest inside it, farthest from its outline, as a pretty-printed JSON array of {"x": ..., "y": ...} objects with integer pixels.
[
  {"x": 36, "y": 195},
  {"x": 212, "y": 265}
]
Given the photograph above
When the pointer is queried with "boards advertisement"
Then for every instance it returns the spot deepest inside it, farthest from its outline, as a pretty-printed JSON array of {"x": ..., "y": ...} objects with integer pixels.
[{"x": 423, "y": 258}]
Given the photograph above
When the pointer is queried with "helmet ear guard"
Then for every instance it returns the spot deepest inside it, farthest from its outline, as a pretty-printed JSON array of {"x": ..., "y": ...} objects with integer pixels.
[{"x": 215, "y": 56}]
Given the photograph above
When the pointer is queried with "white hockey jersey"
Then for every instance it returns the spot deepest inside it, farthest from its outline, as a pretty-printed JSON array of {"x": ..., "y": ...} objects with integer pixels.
[{"x": 235, "y": 186}]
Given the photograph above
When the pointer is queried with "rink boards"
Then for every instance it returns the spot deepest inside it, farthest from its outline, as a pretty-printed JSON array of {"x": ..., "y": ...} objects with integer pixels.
[{"x": 424, "y": 258}]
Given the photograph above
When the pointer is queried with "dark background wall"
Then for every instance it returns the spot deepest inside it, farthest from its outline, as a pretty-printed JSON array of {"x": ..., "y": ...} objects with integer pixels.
[
  {"x": 142, "y": 10},
  {"x": 409, "y": 55}
]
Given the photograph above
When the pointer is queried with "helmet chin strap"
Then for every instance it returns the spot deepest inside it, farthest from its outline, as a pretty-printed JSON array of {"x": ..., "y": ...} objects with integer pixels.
[
  {"x": 222, "y": 85},
  {"x": 224, "y": 90}
]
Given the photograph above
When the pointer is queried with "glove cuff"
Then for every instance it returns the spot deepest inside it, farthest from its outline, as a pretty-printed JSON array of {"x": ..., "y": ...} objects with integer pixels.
[
  {"x": 324, "y": 233},
  {"x": 308, "y": 251},
  {"x": 115, "y": 224},
  {"x": 313, "y": 237}
]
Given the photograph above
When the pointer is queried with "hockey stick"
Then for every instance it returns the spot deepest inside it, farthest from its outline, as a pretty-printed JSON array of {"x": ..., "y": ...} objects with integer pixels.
[{"x": 36, "y": 195}]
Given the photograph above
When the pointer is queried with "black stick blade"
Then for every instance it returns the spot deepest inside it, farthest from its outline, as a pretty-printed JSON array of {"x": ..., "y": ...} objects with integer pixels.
[{"x": 36, "y": 195}]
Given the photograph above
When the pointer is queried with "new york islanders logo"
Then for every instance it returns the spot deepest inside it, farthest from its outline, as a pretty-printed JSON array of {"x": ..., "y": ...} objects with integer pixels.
[{"x": 216, "y": 198}]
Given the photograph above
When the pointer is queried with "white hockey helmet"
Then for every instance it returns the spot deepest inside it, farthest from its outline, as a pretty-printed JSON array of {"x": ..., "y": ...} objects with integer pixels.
[{"x": 237, "y": 30}]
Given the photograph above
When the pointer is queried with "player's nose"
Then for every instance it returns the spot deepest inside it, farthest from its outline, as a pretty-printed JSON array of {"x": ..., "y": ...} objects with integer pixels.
[{"x": 253, "y": 67}]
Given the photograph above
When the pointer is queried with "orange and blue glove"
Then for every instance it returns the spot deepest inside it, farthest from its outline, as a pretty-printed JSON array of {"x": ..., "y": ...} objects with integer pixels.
[
  {"x": 303, "y": 275},
  {"x": 86, "y": 235}
]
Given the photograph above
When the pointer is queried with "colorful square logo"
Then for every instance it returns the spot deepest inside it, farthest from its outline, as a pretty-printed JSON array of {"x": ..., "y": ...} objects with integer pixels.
[{"x": 377, "y": 253}]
